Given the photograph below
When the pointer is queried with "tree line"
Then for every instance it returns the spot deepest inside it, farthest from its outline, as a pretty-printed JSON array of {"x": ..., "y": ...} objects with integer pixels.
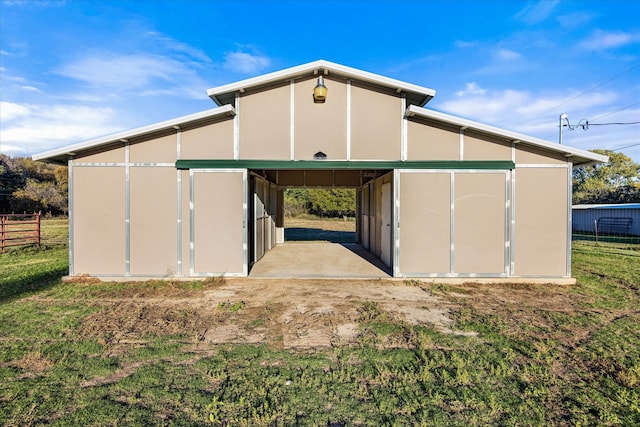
[
  {"x": 30, "y": 186},
  {"x": 328, "y": 203},
  {"x": 27, "y": 186},
  {"x": 617, "y": 181}
]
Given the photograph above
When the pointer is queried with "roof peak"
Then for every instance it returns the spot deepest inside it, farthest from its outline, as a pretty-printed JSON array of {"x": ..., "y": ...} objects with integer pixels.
[{"x": 225, "y": 94}]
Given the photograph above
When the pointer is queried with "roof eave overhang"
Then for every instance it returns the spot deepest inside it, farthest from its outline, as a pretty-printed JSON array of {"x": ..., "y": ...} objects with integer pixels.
[
  {"x": 220, "y": 93},
  {"x": 63, "y": 154},
  {"x": 577, "y": 156}
]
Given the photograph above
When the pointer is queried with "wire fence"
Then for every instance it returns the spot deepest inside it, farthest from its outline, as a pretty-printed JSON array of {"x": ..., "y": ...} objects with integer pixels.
[{"x": 605, "y": 238}]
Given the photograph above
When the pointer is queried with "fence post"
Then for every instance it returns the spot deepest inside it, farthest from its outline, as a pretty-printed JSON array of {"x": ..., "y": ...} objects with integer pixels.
[
  {"x": 595, "y": 224},
  {"x": 38, "y": 215},
  {"x": 2, "y": 220}
]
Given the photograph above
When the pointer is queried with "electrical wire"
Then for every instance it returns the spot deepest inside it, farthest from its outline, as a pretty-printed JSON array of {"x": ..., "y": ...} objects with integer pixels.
[
  {"x": 607, "y": 124},
  {"x": 589, "y": 90},
  {"x": 616, "y": 111},
  {"x": 626, "y": 146}
]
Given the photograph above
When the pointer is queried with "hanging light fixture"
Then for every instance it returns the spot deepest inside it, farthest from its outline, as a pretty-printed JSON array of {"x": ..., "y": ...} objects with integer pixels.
[{"x": 320, "y": 91}]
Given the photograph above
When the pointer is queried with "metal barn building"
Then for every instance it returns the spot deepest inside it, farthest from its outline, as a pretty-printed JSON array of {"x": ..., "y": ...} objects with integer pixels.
[
  {"x": 618, "y": 219},
  {"x": 438, "y": 196}
]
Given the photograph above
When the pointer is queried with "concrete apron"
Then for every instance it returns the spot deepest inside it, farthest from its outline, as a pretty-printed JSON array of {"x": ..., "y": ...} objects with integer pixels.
[{"x": 319, "y": 260}]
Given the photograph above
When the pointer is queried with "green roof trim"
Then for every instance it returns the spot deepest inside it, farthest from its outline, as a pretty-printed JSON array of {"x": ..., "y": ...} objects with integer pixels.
[{"x": 343, "y": 164}]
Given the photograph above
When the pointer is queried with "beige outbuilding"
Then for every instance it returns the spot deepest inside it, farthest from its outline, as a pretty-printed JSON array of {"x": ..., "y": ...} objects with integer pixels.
[{"x": 438, "y": 196}]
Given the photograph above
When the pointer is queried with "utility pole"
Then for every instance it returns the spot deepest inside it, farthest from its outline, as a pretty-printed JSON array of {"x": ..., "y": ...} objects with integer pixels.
[{"x": 563, "y": 116}]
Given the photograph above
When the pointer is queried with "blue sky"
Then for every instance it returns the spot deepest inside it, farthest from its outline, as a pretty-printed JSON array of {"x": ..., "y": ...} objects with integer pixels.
[{"x": 74, "y": 70}]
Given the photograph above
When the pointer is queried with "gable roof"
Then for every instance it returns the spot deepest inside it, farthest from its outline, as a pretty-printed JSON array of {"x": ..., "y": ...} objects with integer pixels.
[
  {"x": 61, "y": 155},
  {"x": 224, "y": 96},
  {"x": 415, "y": 95},
  {"x": 578, "y": 156}
]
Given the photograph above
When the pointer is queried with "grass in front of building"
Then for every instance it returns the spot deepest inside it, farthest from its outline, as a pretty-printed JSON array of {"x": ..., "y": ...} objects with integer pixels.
[{"x": 527, "y": 355}]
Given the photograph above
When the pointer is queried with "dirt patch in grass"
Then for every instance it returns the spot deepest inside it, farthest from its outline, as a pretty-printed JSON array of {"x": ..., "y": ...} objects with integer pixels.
[
  {"x": 32, "y": 364},
  {"x": 316, "y": 313},
  {"x": 282, "y": 313}
]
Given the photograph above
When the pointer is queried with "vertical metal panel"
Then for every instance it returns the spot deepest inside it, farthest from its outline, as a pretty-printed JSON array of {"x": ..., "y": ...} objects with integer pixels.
[
  {"x": 127, "y": 213},
  {"x": 507, "y": 223},
  {"x": 452, "y": 219},
  {"x": 71, "y": 211},
  {"x": 179, "y": 205},
  {"x": 192, "y": 257},
  {"x": 403, "y": 130},
  {"x": 215, "y": 252},
  {"x": 236, "y": 129},
  {"x": 179, "y": 222},
  {"x": 348, "y": 119},
  {"x": 292, "y": 126},
  {"x": 569, "y": 214},
  {"x": 245, "y": 222},
  {"x": 396, "y": 223},
  {"x": 512, "y": 232},
  {"x": 480, "y": 223},
  {"x": 461, "y": 144}
]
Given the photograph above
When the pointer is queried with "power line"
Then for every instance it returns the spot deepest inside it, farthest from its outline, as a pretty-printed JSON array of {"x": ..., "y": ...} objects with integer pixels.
[
  {"x": 616, "y": 111},
  {"x": 626, "y": 146},
  {"x": 607, "y": 124},
  {"x": 589, "y": 90}
]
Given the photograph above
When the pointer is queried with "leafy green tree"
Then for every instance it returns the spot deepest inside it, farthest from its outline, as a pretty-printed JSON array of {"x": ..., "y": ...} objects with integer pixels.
[
  {"x": 617, "y": 181},
  {"x": 29, "y": 186},
  {"x": 11, "y": 179},
  {"x": 332, "y": 202}
]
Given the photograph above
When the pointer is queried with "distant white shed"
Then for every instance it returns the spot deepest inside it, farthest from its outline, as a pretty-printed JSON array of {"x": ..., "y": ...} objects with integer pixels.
[{"x": 620, "y": 219}]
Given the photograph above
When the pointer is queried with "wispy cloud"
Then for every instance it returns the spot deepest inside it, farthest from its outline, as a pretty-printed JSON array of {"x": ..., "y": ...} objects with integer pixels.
[
  {"x": 10, "y": 111},
  {"x": 603, "y": 40},
  {"x": 172, "y": 46},
  {"x": 129, "y": 71},
  {"x": 523, "y": 111},
  {"x": 246, "y": 63},
  {"x": 35, "y": 3},
  {"x": 28, "y": 128},
  {"x": 506, "y": 55},
  {"x": 466, "y": 44},
  {"x": 575, "y": 19},
  {"x": 142, "y": 74},
  {"x": 536, "y": 11},
  {"x": 471, "y": 89}
]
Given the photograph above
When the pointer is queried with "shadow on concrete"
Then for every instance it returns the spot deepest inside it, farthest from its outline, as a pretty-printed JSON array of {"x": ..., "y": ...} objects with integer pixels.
[
  {"x": 298, "y": 234},
  {"x": 363, "y": 253}
]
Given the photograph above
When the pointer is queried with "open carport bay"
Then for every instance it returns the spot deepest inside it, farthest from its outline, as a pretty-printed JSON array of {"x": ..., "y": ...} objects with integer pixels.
[{"x": 319, "y": 259}]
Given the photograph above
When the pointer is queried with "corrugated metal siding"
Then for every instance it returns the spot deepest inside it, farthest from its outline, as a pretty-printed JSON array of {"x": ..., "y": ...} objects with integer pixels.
[{"x": 583, "y": 219}]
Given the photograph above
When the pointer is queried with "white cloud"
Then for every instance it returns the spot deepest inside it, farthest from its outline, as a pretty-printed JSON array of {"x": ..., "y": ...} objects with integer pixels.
[
  {"x": 575, "y": 19},
  {"x": 28, "y": 128},
  {"x": 173, "y": 45},
  {"x": 30, "y": 89},
  {"x": 11, "y": 111},
  {"x": 603, "y": 40},
  {"x": 32, "y": 3},
  {"x": 138, "y": 74},
  {"x": 464, "y": 44},
  {"x": 471, "y": 89},
  {"x": 506, "y": 55},
  {"x": 526, "y": 112},
  {"x": 536, "y": 11},
  {"x": 124, "y": 71},
  {"x": 247, "y": 63}
]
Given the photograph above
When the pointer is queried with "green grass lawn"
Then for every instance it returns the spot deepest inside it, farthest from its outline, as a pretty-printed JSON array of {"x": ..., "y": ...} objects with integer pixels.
[{"x": 540, "y": 355}]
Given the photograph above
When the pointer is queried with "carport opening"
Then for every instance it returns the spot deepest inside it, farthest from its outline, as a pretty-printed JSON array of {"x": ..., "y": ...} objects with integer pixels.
[
  {"x": 320, "y": 214},
  {"x": 319, "y": 223}
]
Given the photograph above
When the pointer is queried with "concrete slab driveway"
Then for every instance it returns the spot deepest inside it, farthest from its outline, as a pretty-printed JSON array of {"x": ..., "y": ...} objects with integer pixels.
[{"x": 319, "y": 259}]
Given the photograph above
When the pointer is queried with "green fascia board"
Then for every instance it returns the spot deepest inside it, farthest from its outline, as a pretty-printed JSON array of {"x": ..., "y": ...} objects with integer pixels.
[{"x": 342, "y": 164}]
